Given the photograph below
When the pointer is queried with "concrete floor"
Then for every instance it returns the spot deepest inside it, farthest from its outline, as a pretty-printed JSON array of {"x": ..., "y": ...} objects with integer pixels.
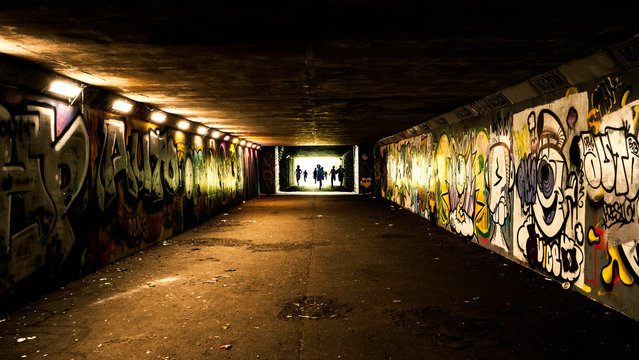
[{"x": 315, "y": 277}]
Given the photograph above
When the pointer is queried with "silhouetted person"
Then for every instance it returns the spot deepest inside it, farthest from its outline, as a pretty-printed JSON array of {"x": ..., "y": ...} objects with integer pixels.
[
  {"x": 325, "y": 173},
  {"x": 333, "y": 172},
  {"x": 320, "y": 175},
  {"x": 305, "y": 175},
  {"x": 315, "y": 175},
  {"x": 298, "y": 173},
  {"x": 340, "y": 174}
]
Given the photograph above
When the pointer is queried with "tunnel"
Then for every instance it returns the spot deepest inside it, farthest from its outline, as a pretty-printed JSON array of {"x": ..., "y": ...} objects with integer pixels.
[{"x": 319, "y": 180}]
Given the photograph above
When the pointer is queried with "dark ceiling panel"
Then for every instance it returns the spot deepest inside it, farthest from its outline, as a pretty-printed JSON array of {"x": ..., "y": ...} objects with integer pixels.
[{"x": 309, "y": 73}]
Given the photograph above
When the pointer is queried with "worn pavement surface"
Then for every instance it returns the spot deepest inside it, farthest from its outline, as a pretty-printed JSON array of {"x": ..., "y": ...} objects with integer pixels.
[{"x": 315, "y": 277}]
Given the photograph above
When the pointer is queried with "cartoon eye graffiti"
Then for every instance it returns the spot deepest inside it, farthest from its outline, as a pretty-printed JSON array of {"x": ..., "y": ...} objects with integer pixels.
[{"x": 546, "y": 179}]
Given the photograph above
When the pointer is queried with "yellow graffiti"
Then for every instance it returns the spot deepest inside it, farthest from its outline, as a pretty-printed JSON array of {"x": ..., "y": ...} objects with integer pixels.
[
  {"x": 443, "y": 159},
  {"x": 608, "y": 271},
  {"x": 522, "y": 142},
  {"x": 180, "y": 143},
  {"x": 635, "y": 109},
  {"x": 571, "y": 91},
  {"x": 594, "y": 120},
  {"x": 593, "y": 237},
  {"x": 431, "y": 177},
  {"x": 482, "y": 220}
]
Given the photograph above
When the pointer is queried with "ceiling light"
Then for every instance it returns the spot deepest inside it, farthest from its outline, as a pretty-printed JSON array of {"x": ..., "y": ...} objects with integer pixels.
[
  {"x": 242, "y": 142},
  {"x": 227, "y": 137},
  {"x": 122, "y": 106},
  {"x": 202, "y": 130},
  {"x": 248, "y": 144},
  {"x": 158, "y": 117},
  {"x": 259, "y": 146},
  {"x": 254, "y": 146},
  {"x": 235, "y": 140},
  {"x": 216, "y": 134},
  {"x": 64, "y": 88},
  {"x": 183, "y": 125}
]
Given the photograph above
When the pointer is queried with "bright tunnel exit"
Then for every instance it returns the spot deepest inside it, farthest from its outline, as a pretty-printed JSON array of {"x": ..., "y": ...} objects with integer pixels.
[
  {"x": 309, "y": 165},
  {"x": 298, "y": 169}
]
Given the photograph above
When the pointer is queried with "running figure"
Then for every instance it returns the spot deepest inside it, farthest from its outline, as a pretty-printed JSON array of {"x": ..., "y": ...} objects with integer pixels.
[
  {"x": 320, "y": 175},
  {"x": 340, "y": 175},
  {"x": 298, "y": 173},
  {"x": 333, "y": 172}
]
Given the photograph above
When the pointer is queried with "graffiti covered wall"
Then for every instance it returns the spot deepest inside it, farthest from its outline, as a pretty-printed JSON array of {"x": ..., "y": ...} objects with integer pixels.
[
  {"x": 81, "y": 189},
  {"x": 552, "y": 185}
]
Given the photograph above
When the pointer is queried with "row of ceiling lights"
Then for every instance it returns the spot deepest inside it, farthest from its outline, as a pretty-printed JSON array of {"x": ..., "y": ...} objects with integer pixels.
[{"x": 71, "y": 91}]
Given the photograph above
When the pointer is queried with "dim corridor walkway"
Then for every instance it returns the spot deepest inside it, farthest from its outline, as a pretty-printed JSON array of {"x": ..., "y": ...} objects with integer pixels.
[{"x": 315, "y": 277}]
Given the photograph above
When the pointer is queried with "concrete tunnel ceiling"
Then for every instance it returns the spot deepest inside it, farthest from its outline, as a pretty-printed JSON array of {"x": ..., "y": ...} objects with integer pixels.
[{"x": 312, "y": 73}]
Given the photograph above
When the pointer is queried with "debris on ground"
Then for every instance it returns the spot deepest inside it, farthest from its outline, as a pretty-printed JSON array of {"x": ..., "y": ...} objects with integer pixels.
[
  {"x": 165, "y": 243},
  {"x": 227, "y": 347},
  {"x": 397, "y": 301},
  {"x": 122, "y": 269},
  {"x": 313, "y": 308},
  {"x": 230, "y": 270}
]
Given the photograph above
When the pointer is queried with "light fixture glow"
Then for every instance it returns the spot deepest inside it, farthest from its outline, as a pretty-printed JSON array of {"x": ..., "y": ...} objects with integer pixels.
[
  {"x": 183, "y": 125},
  {"x": 216, "y": 134},
  {"x": 248, "y": 144},
  {"x": 235, "y": 140},
  {"x": 158, "y": 117},
  {"x": 202, "y": 130},
  {"x": 227, "y": 137},
  {"x": 122, "y": 106},
  {"x": 254, "y": 146},
  {"x": 242, "y": 142},
  {"x": 64, "y": 88},
  {"x": 259, "y": 146}
]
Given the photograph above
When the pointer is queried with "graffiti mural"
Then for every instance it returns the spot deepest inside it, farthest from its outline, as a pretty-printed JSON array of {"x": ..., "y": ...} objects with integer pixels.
[
  {"x": 81, "y": 187},
  {"x": 44, "y": 167},
  {"x": 554, "y": 186},
  {"x": 462, "y": 187},
  {"x": 444, "y": 181},
  {"x": 409, "y": 168},
  {"x": 146, "y": 179},
  {"x": 548, "y": 207},
  {"x": 267, "y": 171},
  {"x": 610, "y": 155}
]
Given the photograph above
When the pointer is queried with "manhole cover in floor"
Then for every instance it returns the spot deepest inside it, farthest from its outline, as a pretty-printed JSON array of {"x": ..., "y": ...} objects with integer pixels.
[{"x": 313, "y": 308}]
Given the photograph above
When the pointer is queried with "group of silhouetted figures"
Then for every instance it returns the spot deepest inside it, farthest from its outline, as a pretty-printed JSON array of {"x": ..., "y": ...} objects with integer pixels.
[{"x": 319, "y": 174}]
